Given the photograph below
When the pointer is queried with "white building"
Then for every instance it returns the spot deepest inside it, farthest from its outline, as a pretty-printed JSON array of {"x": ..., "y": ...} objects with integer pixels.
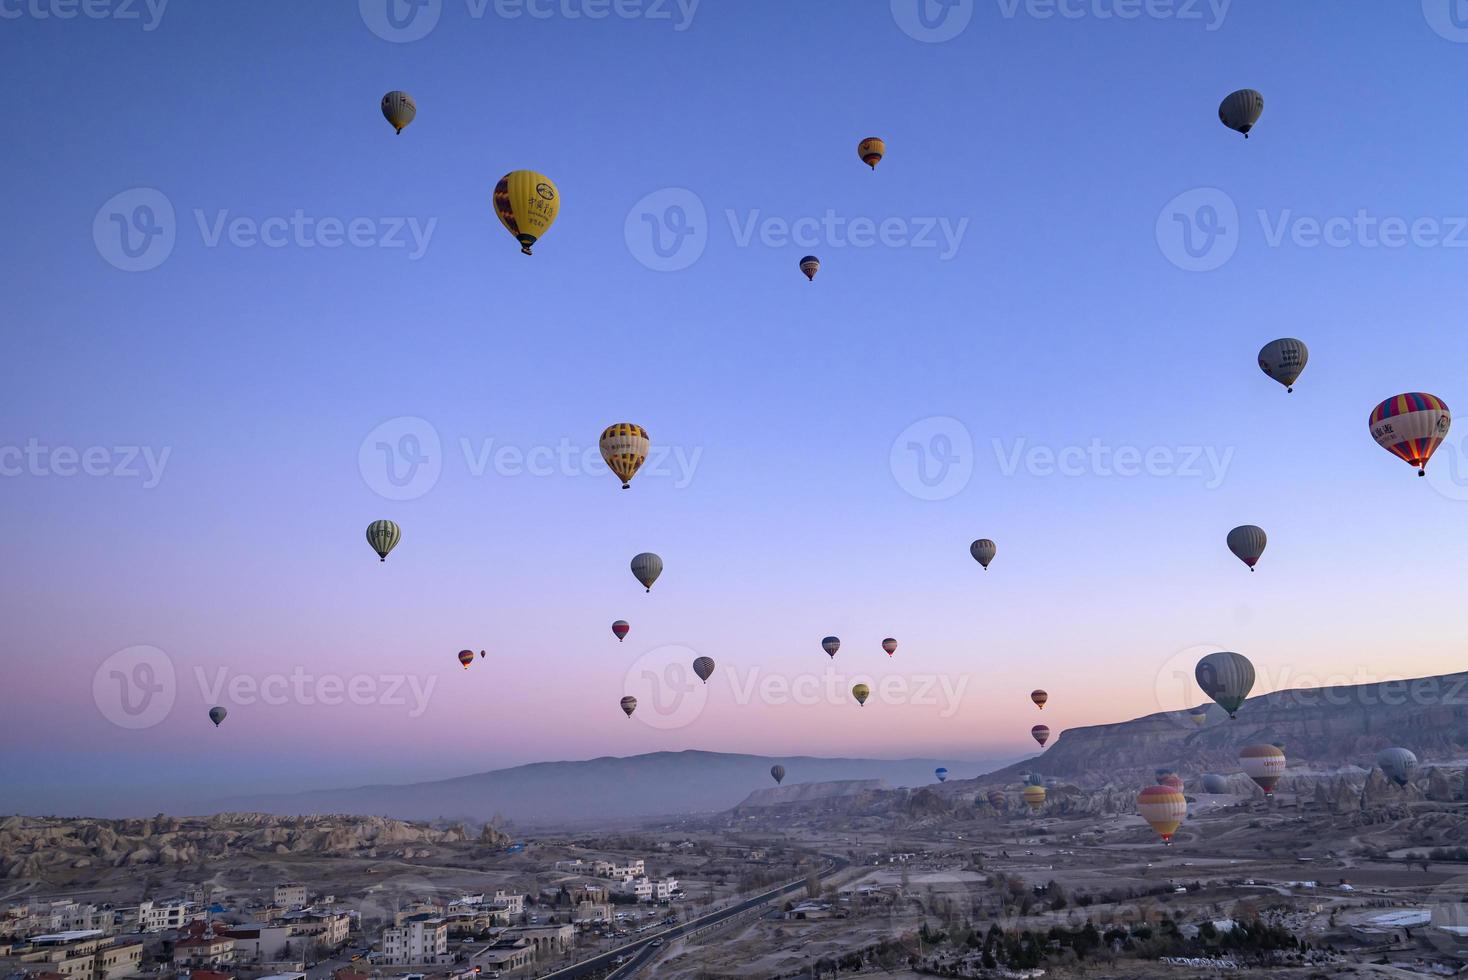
[
  {"x": 290, "y": 895},
  {"x": 421, "y": 939},
  {"x": 610, "y": 869},
  {"x": 173, "y": 914},
  {"x": 647, "y": 889}
]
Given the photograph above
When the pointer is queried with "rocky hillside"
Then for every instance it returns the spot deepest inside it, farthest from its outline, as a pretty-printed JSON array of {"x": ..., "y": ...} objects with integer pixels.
[
  {"x": 809, "y": 792},
  {"x": 1332, "y": 726},
  {"x": 30, "y": 846}
]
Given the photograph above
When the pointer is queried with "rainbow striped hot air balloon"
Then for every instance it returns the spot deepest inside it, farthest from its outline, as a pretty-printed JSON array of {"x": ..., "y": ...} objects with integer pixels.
[
  {"x": 1411, "y": 427},
  {"x": 1163, "y": 807}
]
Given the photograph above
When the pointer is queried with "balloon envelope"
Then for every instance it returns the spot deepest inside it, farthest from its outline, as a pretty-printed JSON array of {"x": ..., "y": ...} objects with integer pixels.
[
  {"x": 871, "y": 150},
  {"x": 1226, "y": 678},
  {"x": 218, "y": 714},
  {"x": 1398, "y": 763},
  {"x": 466, "y": 657},
  {"x": 861, "y": 692},
  {"x": 526, "y": 204},
  {"x": 624, "y": 446},
  {"x": 983, "y": 551},
  {"x": 1214, "y": 783},
  {"x": 399, "y": 109},
  {"x": 1034, "y": 796},
  {"x": 831, "y": 644},
  {"x": 1247, "y": 542},
  {"x": 1283, "y": 360},
  {"x": 810, "y": 265},
  {"x": 1240, "y": 110},
  {"x": 1172, "y": 781},
  {"x": 1411, "y": 426},
  {"x": 629, "y": 705},
  {"x": 998, "y": 800},
  {"x": 1164, "y": 808},
  {"x": 1039, "y": 697},
  {"x": 941, "y": 773},
  {"x": 890, "y": 645},
  {"x": 646, "y": 567},
  {"x": 778, "y": 772},
  {"x": 620, "y": 629},
  {"x": 383, "y": 536},
  {"x": 1041, "y": 734},
  {"x": 704, "y": 668},
  {"x": 1264, "y": 764}
]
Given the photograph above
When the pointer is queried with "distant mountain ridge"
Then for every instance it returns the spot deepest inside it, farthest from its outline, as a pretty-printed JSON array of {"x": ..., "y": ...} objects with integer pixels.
[{"x": 596, "y": 790}]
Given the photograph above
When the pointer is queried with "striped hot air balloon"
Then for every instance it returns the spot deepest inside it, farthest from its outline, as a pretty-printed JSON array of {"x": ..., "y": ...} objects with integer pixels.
[
  {"x": 620, "y": 629},
  {"x": 624, "y": 446},
  {"x": 399, "y": 109},
  {"x": 1034, "y": 797},
  {"x": 890, "y": 645},
  {"x": 1039, "y": 697},
  {"x": 778, "y": 771},
  {"x": 942, "y": 773},
  {"x": 1041, "y": 734},
  {"x": 871, "y": 150},
  {"x": 1172, "y": 781},
  {"x": 646, "y": 567},
  {"x": 1240, "y": 110},
  {"x": 831, "y": 644},
  {"x": 629, "y": 705},
  {"x": 1398, "y": 763},
  {"x": 526, "y": 204},
  {"x": 466, "y": 657},
  {"x": 810, "y": 265},
  {"x": 1226, "y": 678},
  {"x": 998, "y": 800},
  {"x": 1247, "y": 542},
  {"x": 704, "y": 668},
  {"x": 983, "y": 551},
  {"x": 1283, "y": 360},
  {"x": 1164, "y": 808},
  {"x": 1411, "y": 427},
  {"x": 1264, "y": 764},
  {"x": 383, "y": 536}
]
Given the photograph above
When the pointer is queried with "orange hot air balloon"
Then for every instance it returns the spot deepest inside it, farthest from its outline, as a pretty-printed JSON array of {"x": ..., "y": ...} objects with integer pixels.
[
  {"x": 1041, "y": 734},
  {"x": 466, "y": 657},
  {"x": 1164, "y": 808},
  {"x": 1039, "y": 697},
  {"x": 1172, "y": 781},
  {"x": 1034, "y": 796},
  {"x": 871, "y": 150}
]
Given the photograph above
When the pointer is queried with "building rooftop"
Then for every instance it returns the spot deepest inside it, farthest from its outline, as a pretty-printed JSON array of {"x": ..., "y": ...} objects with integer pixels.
[{"x": 55, "y": 938}]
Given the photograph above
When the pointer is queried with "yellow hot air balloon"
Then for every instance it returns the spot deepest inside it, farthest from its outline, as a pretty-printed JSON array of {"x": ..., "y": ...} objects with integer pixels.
[
  {"x": 1163, "y": 807},
  {"x": 861, "y": 692},
  {"x": 527, "y": 204},
  {"x": 624, "y": 446},
  {"x": 1035, "y": 797},
  {"x": 871, "y": 150}
]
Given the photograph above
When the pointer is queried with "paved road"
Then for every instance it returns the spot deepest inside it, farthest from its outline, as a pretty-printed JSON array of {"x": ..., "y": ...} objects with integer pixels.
[{"x": 641, "y": 950}]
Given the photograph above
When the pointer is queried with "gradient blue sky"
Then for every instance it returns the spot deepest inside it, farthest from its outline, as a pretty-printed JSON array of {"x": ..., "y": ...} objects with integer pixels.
[{"x": 1059, "y": 321}]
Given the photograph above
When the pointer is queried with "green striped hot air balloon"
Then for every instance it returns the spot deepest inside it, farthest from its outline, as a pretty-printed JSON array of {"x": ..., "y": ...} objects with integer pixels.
[{"x": 383, "y": 536}]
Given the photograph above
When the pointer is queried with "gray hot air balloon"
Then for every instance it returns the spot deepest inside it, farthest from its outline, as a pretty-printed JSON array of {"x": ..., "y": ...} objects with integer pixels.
[
  {"x": 1247, "y": 542},
  {"x": 398, "y": 108},
  {"x": 1241, "y": 110},
  {"x": 218, "y": 714},
  {"x": 831, "y": 644},
  {"x": 778, "y": 771},
  {"x": 1283, "y": 360},
  {"x": 1398, "y": 763},
  {"x": 629, "y": 705},
  {"x": 983, "y": 551},
  {"x": 383, "y": 536},
  {"x": 704, "y": 668},
  {"x": 647, "y": 567},
  {"x": 1226, "y": 678},
  {"x": 1214, "y": 783}
]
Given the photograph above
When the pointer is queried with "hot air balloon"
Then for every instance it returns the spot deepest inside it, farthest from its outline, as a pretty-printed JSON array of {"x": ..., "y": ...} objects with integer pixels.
[
  {"x": 1247, "y": 542},
  {"x": 620, "y": 629},
  {"x": 704, "y": 668},
  {"x": 1039, "y": 697},
  {"x": 1198, "y": 716},
  {"x": 218, "y": 714},
  {"x": 810, "y": 265},
  {"x": 1164, "y": 808},
  {"x": 1398, "y": 764},
  {"x": 1172, "y": 781},
  {"x": 983, "y": 551},
  {"x": 831, "y": 644},
  {"x": 466, "y": 657},
  {"x": 527, "y": 204},
  {"x": 998, "y": 800},
  {"x": 1041, "y": 734},
  {"x": 629, "y": 705},
  {"x": 1241, "y": 110},
  {"x": 1214, "y": 783},
  {"x": 778, "y": 771},
  {"x": 890, "y": 645},
  {"x": 383, "y": 536},
  {"x": 398, "y": 108},
  {"x": 624, "y": 446},
  {"x": 1157, "y": 774},
  {"x": 871, "y": 150},
  {"x": 861, "y": 692},
  {"x": 942, "y": 774},
  {"x": 1226, "y": 678},
  {"x": 1034, "y": 779},
  {"x": 1411, "y": 427},
  {"x": 1283, "y": 360},
  {"x": 1035, "y": 797},
  {"x": 647, "y": 567},
  {"x": 1264, "y": 764},
  {"x": 481, "y": 654}
]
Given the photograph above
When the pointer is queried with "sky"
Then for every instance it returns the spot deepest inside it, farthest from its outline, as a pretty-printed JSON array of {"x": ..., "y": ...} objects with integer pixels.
[{"x": 1036, "y": 322}]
